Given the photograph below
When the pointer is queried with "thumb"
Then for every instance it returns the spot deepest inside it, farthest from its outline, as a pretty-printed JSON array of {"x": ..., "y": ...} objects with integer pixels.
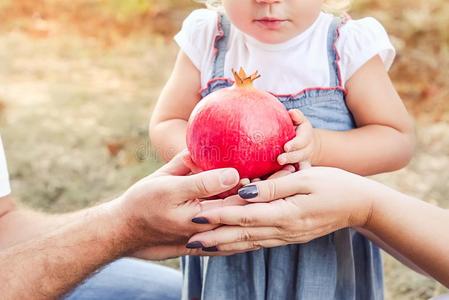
[
  {"x": 297, "y": 116},
  {"x": 208, "y": 183},
  {"x": 176, "y": 166},
  {"x": 276, "y": 188}
]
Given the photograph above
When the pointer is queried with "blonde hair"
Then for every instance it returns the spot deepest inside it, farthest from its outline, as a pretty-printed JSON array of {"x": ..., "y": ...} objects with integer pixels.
[{"x": 336, "y": 7}]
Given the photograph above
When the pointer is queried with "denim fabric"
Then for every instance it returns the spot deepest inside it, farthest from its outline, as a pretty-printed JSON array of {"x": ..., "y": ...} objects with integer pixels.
[
  {"x": 343, "y": 265},
  {"x": 130, "y": 279}
]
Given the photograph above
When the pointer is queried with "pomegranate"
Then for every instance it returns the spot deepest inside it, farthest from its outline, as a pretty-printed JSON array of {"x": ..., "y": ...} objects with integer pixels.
[{"x": 239, "y": 127}]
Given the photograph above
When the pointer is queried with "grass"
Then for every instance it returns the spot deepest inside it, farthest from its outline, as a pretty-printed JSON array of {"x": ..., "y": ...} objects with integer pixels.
[{"x": 74, "y": 110}]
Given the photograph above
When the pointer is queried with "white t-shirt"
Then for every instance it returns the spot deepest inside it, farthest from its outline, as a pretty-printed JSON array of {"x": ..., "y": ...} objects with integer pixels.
[
  {"x": 5, "y": 189},
  {"x": 289, "y": 67}
]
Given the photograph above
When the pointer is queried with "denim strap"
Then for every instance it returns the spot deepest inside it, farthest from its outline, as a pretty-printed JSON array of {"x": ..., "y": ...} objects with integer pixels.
[
  {"x": 332, "y": 36},
  {"x": 222, "y": 47}
]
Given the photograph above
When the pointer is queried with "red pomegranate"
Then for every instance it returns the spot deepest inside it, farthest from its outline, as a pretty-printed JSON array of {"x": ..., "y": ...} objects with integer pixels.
[{"x": 239, "y": 127}]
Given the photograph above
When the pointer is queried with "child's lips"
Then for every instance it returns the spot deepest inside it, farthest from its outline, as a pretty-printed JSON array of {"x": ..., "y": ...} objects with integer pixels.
[{"x": 270, "y": 23}]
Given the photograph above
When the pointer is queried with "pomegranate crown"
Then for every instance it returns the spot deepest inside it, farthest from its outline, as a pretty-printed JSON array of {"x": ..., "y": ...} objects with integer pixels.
[{"x": 244, "y": 81}]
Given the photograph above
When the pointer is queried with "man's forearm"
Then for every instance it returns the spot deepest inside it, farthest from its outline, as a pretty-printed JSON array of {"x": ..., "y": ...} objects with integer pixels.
[
  {"x": 20, "y": 225},
  {"x": 417, "y": 230},
  {"x": 52, "y": 264}
]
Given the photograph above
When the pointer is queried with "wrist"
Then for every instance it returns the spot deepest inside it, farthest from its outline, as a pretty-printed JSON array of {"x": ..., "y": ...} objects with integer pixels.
[
  {"x": 364, "y": 198},
  {"x": 128, "y": 228},
  {"x": 376, "y": 196}
]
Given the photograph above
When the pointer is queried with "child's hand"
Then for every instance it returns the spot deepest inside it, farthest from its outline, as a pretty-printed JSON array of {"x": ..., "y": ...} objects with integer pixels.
[{"x": 302, "y": 147}]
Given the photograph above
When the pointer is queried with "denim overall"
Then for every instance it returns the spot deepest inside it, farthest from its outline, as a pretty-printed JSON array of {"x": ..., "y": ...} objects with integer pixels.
[{"x": 343, "y": 265}]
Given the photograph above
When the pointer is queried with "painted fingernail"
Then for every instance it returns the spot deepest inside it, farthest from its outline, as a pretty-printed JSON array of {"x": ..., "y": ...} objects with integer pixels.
[
  {"x": 210, "y": 249},
  {"x": 200, "y": 220},
  {"x": 249, "y": 192},
  {"x": 194, "y": 245}
]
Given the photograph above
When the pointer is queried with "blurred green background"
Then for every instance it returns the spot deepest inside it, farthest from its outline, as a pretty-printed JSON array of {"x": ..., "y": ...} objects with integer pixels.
[{"x": 78, "y": 80}]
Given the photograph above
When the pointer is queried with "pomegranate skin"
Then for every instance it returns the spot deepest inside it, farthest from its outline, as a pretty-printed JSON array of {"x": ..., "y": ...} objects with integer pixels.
[{"x": 239, "y": 127}]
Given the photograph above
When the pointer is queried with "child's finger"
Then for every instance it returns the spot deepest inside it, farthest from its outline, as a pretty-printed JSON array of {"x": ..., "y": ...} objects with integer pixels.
[
  {"x": 297, "y": 116},
  {"x": 297, "y": 143},
  {"x": 305, "y": 129},
  {"x": 293, "y": 157},
  {"x": 244, "y": 181},
  {"x": 305, "y": 165}
]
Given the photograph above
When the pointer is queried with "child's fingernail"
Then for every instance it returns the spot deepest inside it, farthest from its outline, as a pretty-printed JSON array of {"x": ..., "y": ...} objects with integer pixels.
[
  {"x": 249, "y": 192},
  {"x": 282, "y": 160},
  {"x": 244, "y": 181},
  {"x": 210, "y": 249},
  {"x": 200, "y": 220},
  {"x": 290, "y": 168},
  {"x": 194, "y": 245}
]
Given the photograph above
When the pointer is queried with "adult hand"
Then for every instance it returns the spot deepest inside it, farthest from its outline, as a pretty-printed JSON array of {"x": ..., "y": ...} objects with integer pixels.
[
  {"x": 295, "y": 208},
  {"x": 163, "y": 251},
  {"x": 159, "y": 208}
]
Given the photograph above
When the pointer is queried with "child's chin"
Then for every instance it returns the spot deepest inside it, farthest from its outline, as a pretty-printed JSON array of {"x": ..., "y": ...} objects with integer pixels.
[{"x": 271, "y": 37}]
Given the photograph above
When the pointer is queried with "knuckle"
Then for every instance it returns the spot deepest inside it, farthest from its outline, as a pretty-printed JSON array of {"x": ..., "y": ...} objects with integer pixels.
[
  {"x": 255, "y": 244},
  {"x": 246, "y": 221},
  {"x": 202, "y": 186},
  {"x": 283, "y": 225},
  {"x": 297, "y": 144},
  {"x": 290, "y": 237},
  {"x": 246, "y": 235},
  {"x": 296, "y": 156},
  {"x": 271, "y": 190}
]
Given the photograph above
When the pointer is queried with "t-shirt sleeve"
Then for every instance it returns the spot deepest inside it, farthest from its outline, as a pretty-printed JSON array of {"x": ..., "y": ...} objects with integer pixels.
[
  {"x": 196, "y": 38},
  {"x": 5, "y": 188},
  {"x": 361, "y": 40}
]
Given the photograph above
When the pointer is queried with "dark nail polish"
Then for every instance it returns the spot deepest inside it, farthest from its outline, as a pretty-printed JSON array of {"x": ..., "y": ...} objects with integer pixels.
[
  {"x": 194, "y": 245},
  {"x": 210, "y": 249},
  {"x": 200, "y": 220},
  {"x": 249, "y": 192}
]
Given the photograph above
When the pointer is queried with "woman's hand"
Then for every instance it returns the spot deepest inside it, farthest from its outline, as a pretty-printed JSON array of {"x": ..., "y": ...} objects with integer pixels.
[
  {"x": 159, "y": 208},
  {"x": 292, "y": 209}
]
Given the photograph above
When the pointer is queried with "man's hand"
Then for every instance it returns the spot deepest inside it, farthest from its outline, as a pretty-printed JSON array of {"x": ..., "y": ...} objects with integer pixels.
[{"x": 158, "y": 210}]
